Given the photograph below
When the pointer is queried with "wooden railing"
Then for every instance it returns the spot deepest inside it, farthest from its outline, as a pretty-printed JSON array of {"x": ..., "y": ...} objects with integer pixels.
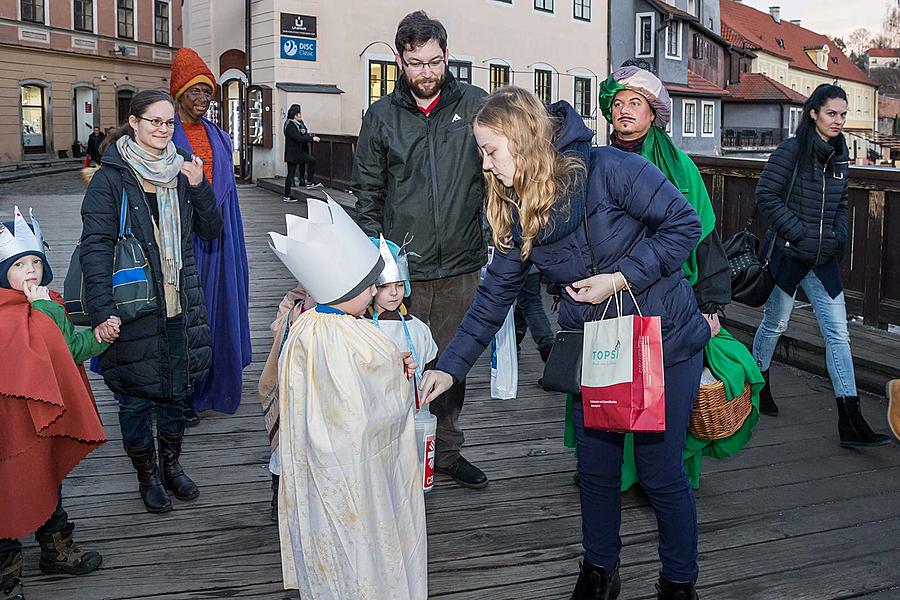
[
  {"x": 870, "y": 268},
  {"x": 334, "y": 160}
]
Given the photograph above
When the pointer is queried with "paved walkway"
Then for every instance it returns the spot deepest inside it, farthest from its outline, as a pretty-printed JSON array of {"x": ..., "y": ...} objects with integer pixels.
[{"x": 793, "y": 517}]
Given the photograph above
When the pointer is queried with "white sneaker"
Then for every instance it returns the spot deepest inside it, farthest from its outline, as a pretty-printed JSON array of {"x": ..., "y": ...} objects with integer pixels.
[
  {"x": 288, "y": 199},
  {"x": 311, "y": 186}
]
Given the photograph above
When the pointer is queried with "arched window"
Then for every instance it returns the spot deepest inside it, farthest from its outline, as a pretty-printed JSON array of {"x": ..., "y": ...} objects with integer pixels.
[{"x": 34, "y": 119}]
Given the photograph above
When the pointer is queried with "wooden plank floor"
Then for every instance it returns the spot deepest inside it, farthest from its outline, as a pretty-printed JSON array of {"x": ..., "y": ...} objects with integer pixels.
[{"x": 793, "y": 517}]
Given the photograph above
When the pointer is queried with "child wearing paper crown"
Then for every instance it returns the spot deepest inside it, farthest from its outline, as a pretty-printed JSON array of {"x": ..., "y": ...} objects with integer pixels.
[
  {"x": 47, "y": 413},
  {"x": 351, "y": 512},
  {"x": 388, "y": 312}
]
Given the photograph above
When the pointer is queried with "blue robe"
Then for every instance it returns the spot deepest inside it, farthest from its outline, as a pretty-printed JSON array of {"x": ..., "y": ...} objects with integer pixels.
[{"x": 223, "y": 270}]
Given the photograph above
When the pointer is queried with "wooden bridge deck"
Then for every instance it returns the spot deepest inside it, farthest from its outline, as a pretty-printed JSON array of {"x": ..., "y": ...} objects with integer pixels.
[{"x": 793, "y": 517}]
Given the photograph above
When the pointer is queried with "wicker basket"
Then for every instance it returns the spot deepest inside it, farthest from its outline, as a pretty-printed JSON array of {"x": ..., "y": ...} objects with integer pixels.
[{"x": 714, "y": 416}]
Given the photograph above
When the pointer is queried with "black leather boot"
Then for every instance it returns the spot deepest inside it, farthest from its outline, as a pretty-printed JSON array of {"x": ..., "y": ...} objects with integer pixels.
[
  {"x": 274, "y": 514},
  {"x": 11, "y": 587},
  {"x": 666, "y": 589},
  {"x": 596, "y": 583},
  {"x": 172, "y": 474},
  {"x": 60, "y": 554},
  {"x": 191, "y": 418},
  {"x": 852, "y": 427},
  {"x": 154, "y": 495},
  {"x": 767, "y": 405}
]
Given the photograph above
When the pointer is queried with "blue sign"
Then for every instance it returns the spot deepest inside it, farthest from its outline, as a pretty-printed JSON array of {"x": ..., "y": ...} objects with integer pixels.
[{"x": 298, "y": 48}]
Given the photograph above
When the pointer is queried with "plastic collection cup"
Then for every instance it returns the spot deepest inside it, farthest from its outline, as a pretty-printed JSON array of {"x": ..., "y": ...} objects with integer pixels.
[{"x": 426, "y": 428}]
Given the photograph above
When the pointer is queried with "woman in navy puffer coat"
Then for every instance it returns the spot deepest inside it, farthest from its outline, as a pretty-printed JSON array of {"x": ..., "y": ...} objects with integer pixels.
[{"x": 642, "y": 229}]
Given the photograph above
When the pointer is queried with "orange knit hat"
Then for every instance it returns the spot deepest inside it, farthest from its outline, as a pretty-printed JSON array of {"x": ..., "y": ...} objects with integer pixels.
[{"x": 189, "y": 69}]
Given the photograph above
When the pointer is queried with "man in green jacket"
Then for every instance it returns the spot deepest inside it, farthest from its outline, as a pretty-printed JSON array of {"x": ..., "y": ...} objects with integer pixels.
[{"x": 417, "y": 176}]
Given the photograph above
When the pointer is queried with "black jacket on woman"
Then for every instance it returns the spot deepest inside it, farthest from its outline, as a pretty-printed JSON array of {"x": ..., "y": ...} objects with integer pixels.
[
  {"x": 296, "y": 141},
  {"x": 137, "y": 363},
  {"x": 811, "y": 225}
]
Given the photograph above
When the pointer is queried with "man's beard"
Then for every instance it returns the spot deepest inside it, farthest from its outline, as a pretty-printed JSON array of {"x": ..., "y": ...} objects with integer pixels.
[{"x": 426, "y": 89}]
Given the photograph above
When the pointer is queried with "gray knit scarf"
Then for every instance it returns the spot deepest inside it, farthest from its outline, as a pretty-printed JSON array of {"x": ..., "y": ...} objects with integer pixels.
[{"x": 162, "y": 171}]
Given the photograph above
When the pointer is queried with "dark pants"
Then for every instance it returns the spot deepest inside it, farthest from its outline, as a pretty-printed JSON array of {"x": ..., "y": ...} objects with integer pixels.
[
  {"x": 442, "y": 304},
  {"x": 529, "y": 313},
  {"x": 296, "y": 168},
  {"x": 55, "y": 523},
  {"x": 136, "y": 414},
  {"x": 658, "y": 457}
]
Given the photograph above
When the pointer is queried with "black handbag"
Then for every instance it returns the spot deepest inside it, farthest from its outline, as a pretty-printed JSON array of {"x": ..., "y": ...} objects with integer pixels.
[
  {"x": 132, "y": 278},
  {"x": 562, "y": 371},
  {"x": 751, "y": 280}
]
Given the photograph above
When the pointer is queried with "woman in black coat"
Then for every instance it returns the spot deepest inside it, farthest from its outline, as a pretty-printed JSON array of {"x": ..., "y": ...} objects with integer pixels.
[
  {"x": 157, "y": 358},
  {"x": 546, "y": 186},
  {"x": 803, "y": 194}
]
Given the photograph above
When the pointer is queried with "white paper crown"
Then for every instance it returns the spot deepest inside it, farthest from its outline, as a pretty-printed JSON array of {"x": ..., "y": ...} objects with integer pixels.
[
  {"x": 22, "y": 239},
  {"x": 327, "y": 252},
  {"x": 394, "y": 270}
]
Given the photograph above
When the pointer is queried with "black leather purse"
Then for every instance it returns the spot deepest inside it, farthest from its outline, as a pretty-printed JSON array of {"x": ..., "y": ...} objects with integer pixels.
[
  {"x": 751, "y": 281},
  {"x": 562, "y": 371}
]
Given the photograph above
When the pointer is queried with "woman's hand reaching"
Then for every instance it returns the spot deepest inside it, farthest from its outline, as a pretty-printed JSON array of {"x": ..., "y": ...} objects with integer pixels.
[
  {"x": 433, "y": 384},
  {"x": 596, "y": 289}
]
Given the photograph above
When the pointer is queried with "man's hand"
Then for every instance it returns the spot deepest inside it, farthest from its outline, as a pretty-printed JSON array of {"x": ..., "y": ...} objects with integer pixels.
[
  {"x": 714, "y": 325},
  {"x": 193, "y": 170},
  {"x": 316, "y": 138},
  {"x": 433, "y": 384},
  {"x": 35, "y": 292}
]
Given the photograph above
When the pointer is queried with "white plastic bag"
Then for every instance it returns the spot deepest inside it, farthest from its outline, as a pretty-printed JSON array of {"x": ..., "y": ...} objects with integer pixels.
[{"x": 504, "y": 361}]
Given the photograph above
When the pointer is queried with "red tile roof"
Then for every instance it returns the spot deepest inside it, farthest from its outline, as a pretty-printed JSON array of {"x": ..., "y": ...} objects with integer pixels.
[
  {"x": 884, "y": 52},
  {"x": 697, "y": 86},
  {"x": 760, "y": 31},
  {"x": 756, "y": 87}
]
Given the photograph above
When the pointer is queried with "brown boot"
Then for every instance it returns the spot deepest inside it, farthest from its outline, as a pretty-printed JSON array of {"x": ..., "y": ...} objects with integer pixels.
[
  {"x": 11, "y": 577},
  {"x": 893, "y": 396},
  {"x": 60, "y": 554}
]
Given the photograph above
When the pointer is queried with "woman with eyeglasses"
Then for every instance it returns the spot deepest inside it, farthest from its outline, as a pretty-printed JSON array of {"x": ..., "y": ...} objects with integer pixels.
[{"x": 158, "y": 359}]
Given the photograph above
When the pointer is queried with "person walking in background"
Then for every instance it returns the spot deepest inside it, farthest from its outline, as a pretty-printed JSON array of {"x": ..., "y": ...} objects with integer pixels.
[
  {"x": 416, "y": 173},
  {"x": 636, "y": 104},
  {"x": 542, "y": 216},
  {"x": 221, "y": 262},
  {"x": 296, "y": 153},
  {"x": 158, "y": 358},
  {"x": 529, "y": 313},
  {"x": 802, "y": 192},
  {"x": 93, "y": 145}
]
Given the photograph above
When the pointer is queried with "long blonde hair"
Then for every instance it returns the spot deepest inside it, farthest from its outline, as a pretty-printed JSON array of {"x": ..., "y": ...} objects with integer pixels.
[{"x": 543, "y": 175}]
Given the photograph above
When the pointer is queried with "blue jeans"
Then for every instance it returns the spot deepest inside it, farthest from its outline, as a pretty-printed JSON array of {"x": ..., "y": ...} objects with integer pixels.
[
  {"x": 831, "y": 314},
  {"x": 658, "y": 457},
  {"x": 136, "y": 414}
]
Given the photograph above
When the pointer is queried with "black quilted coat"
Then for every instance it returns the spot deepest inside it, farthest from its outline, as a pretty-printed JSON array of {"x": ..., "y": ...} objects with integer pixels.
[
  {"x": 812, "y": 224},
  {"x": 137, "y": 363}
]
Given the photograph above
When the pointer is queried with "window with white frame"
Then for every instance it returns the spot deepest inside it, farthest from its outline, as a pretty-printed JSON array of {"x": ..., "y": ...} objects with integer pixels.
[
  {"x": 33, "y": 11},
  {"x": 125, "y": 19},
  {"x": 673, "y": 39},
  {"x": 708, "y": 116},
  {"x": 462, "y": 70},
  {"x": 644, "y": 33},
  {"x": 543, "y": 5},
  {"x": 582, "y": 10},
  {"x": 543, "y": 85},
  {"x": 83, "y": 13},
  {"x": 692, "y": 7},
  {"x": 689, "y": 118},
  {"x": 582, "y": 96},
  {"x": 499, "y": 77},
  {"x": 795, "y": 120},
  {"x": 162, "y": 18}
]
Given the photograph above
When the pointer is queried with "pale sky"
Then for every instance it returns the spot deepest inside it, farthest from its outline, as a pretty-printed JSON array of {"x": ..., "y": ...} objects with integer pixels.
[{"x": 836, "y": 18}]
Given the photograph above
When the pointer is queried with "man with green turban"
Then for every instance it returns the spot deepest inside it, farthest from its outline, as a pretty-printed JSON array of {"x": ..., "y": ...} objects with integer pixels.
[{"x": 636, "y": 103}]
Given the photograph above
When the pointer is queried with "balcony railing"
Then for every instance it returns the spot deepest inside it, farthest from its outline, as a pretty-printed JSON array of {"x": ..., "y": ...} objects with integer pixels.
[{"x": 757, "y": 138}]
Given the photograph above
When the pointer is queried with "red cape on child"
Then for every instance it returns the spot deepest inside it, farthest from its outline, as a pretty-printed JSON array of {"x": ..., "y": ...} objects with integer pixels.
[{"x": 48, "y": 415}]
